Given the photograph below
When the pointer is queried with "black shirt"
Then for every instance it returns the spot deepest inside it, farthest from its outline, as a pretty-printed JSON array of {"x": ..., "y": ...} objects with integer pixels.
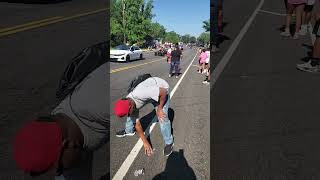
[{"x": 176, "y": 55}]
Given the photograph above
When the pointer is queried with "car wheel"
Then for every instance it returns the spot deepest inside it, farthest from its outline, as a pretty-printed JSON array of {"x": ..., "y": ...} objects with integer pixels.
[
  {"x": 128, "y": 58},
  {"x": 141, "y": 56}
]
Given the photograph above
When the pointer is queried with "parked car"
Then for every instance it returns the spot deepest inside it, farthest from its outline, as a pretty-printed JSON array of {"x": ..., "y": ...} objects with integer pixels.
[{"x": 124, "y": 53}]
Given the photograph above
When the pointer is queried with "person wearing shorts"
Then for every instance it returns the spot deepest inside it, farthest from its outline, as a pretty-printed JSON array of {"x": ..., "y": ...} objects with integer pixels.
[
  {"x": 207, "y": 61},
  {"x": 202, "y": 59},
  {"x": 306, "y": 16},
  {"x": 313, "y": 65},
  {"x": 207, "y": 64},
  {"x": 298, "y": 6}
]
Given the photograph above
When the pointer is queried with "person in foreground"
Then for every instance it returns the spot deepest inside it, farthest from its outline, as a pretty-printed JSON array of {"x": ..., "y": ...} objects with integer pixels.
[
  {"x": 152, "y": 90},
  {"x": 62, "y": 143}
]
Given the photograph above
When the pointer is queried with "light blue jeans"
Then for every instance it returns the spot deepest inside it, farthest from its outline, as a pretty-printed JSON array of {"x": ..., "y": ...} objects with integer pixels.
[{"x": 165, "y": 125}]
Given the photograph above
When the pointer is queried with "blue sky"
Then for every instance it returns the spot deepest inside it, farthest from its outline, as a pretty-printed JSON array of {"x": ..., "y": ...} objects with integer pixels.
[{"x": 182, "y": 16}]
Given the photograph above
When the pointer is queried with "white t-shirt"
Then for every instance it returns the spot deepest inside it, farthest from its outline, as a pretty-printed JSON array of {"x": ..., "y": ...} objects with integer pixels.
[
  {"x": 88, "y": 107},
  {"x": 208, "y": 59},
  {"x": 148, "y": 91}
]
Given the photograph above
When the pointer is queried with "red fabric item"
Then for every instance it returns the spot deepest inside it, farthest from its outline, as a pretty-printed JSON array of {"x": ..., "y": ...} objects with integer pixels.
[
  {"x": 121, "y": 108},
  {"x": 37, "y": 146}
]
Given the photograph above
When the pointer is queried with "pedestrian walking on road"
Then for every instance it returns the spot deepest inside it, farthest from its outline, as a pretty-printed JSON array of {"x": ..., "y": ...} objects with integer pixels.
[
  {"x": 313, "y": 65},
  {"x": 152, "y": 90},
  {"x": 207, "y": 66},
  {"x": 202, "y": 60},
  {"x": 62, "y": 143},
  {"x": 176, "y": 56},
  {"x": 306, "y": 16},
  {"x": 207, "y": 61},
  {"x": 298, "y": 6}
]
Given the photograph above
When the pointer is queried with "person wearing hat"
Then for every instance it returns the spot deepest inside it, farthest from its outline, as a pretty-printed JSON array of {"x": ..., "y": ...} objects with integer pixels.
[
  {"x": 62, "y": 143},
  {"x": 153, "y": 90}
]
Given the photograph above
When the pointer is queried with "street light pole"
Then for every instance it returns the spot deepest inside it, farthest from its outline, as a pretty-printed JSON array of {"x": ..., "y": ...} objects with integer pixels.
[{"x": 123, "y": 22}]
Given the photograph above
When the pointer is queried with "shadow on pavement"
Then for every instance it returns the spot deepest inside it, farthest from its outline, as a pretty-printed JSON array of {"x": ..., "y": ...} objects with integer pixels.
[
  {"x": 223, "y": 38},
  {"x": 177, "y": 167},
  {"x": 105, "y": 177}
]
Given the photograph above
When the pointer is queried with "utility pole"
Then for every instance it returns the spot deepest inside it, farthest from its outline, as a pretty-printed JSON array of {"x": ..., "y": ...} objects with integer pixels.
[{"x": 123, "y": 21}]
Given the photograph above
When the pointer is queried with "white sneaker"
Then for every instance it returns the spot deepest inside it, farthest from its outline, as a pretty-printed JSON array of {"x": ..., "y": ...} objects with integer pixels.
[
  {"x": 308, "y": 67},
  {"x": 285, "y": 33},
  {"x": 206, "y": 82},
  {"x": 296, "y": 35},
  {"x": 304, "y": 30},
  {"x": 303, "y": 65},
  {"x": 170, "y": 75}
]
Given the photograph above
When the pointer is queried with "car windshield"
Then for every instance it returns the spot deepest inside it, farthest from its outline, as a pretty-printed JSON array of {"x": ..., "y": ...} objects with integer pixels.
[{"x": 122, "y": 47}]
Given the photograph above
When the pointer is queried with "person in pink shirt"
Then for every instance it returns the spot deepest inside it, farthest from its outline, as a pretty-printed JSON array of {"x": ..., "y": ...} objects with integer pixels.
[
  {"x": 202, "y": 60},
  {"x": 298, "y": 6}
]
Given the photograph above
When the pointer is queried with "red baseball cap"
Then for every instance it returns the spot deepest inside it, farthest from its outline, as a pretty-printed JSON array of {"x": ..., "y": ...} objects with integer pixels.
[
  {"x": 121, "y": 107},
  {"x": 37, "y": 146}
]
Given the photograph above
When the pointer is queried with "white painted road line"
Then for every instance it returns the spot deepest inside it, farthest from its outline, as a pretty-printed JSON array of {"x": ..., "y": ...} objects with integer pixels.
[
  {"x": 136, "y": 149},
  {"x": 227, "y": 56},
  {"x": 273, "y": 13}
]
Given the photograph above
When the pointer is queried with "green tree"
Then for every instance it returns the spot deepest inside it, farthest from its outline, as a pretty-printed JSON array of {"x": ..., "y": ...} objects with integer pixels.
[
  {"x": 186, "y": 38},
  {"x": 204, "y": 38},
  {"x": 116, "y": 26},
  {"x": 172, "y": 37},
  {"x": 193, "y": 39},
  {"x": 157, "y": 31},
  {"x": 206, "y": 25},
  {"x": 130, "y": 20}
]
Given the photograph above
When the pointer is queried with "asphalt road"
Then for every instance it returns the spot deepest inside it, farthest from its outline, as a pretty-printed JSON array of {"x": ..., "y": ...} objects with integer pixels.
[
  {"x": 263, "y": 111},
  {"x": 33, "y": 57},
  {"x": 190, "y": 115}
]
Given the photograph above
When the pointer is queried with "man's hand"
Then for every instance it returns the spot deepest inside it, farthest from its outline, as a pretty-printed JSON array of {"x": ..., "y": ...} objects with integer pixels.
[
  {"x": 161, "y": 115},
  {"x": 147, "y": 149}
]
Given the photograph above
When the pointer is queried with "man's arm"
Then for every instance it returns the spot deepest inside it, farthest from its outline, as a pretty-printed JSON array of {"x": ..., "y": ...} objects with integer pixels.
[
  {"x": 147, "y": 146},
  {"x": 162, "y": 101},
  {"x": 162, "y": 97}
]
